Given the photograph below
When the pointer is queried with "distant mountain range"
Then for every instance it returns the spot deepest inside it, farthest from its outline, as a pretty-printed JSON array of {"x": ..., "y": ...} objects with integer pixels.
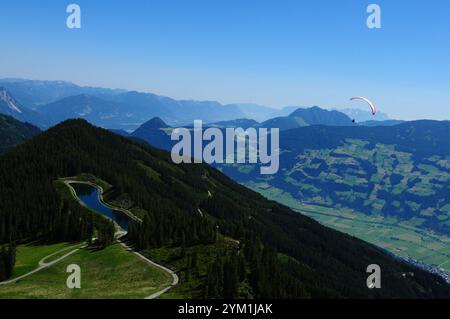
[
  {"x": 34, "y": 93},
  {"x": 10, "y": 106},
  {"x": 46, "y": 103},
  {"x": 261, "y": 113},
  {"x": 244, "y": 123},
  {"x": 118, "y": 109},
  {"x": 89, "y": 107},
  {"x": 360, "y": 115},
  {"x": 156, "y": 131}
]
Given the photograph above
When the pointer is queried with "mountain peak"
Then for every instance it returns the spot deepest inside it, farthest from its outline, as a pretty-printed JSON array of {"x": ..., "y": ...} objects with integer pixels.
[
  {"x": 10, "y": 103},
  {"x": 152, "y": 133},
  {"x": 303, "y": 110},
  {"x": 308, "y": 116},
  {"x": 318, "y": 116},
  {"x": 155, "y": 122}
]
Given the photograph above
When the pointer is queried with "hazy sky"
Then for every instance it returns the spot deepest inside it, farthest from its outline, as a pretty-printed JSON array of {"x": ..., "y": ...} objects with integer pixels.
[{"x": 260, "y": 51}]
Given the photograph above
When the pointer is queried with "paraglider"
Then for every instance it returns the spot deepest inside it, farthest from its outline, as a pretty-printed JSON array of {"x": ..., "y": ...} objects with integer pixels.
[{"x": 372, "y": 106}]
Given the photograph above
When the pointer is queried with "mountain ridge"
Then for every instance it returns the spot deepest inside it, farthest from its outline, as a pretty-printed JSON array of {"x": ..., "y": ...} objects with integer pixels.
[
  {"x": 400, "y": 170},
  {"x": 308, "y": 116},
  {"x": 14, "y": 132},
  {"x": 138, "y": 107},
  {"x": 10, "y": 106}
]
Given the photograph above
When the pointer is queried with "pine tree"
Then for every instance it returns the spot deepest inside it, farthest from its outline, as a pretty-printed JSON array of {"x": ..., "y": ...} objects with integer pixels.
[
  {"x": 194, "y": 263},
  {"x": 187, "y": 272},
  {"x": 231, "y": 277}
]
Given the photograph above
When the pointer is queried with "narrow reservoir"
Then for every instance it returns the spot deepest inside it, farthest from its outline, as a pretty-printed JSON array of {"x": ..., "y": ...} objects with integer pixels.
[{"x": 90, "y": 197}]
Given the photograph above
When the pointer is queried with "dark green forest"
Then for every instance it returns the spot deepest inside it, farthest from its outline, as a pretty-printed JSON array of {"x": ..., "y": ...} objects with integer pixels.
[
  {"x": 14, "y": 132},
  {"x": 280, "y": 253},
  {"x": 7, "y": 260}
]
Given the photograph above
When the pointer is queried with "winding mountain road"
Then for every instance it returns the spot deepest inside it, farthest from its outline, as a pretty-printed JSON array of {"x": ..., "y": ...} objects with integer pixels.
[
  {"x": 175, "y": 278},
  {"x": 43, "y": 264},
  {"x": 119, "y": 234}
]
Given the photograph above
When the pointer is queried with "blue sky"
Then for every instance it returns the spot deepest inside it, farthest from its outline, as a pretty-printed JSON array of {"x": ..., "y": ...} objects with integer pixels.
[{"x": 268, "y": 52}]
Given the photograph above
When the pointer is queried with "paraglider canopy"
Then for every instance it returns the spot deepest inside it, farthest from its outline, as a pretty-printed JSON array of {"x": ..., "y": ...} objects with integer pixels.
[{"x": 372, "y": 106}]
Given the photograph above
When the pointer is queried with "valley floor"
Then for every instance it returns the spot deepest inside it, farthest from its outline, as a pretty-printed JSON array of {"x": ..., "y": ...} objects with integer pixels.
[{"x": 400, "y": 238}]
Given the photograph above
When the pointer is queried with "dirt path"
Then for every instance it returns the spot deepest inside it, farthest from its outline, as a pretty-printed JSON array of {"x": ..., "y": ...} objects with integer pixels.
[
  {"x": 120, "y": 233},
  {"x": 175, "y": 278},
  {"x": 43, "y": 265}
]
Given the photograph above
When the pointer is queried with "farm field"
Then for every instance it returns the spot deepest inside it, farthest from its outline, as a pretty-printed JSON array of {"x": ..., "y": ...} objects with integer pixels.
[{"x": 401, "y": 238}]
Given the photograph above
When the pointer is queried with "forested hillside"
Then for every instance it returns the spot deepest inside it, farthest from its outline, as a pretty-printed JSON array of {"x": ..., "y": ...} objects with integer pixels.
[
  {"x": 400, "y": 171},
  {"x": 14, "y": 132},
  {"x": 278, "y": 252}
]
